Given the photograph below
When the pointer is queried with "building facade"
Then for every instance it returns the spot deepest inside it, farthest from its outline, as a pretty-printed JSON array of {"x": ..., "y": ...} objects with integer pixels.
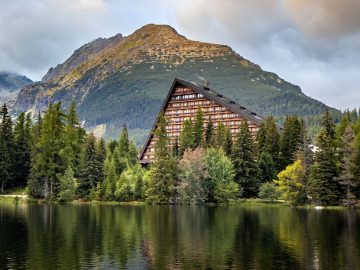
[{"x": 183, "y": 101}]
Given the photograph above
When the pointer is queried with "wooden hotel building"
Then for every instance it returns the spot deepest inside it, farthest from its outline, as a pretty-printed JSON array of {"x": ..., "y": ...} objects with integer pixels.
[{"x": 183, "y": 101}]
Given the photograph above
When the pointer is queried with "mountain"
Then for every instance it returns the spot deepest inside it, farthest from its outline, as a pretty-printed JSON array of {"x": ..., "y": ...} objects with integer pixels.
[
  {"x": 10, "y": 85},
  {"x": 125, "y": 80}
]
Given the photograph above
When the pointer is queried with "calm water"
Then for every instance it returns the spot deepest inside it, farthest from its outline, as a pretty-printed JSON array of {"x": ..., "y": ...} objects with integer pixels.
[{"x": 177, "y": 237}]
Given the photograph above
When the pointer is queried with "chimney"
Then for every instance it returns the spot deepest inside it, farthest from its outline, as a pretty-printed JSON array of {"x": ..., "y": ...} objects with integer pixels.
[{"x": 206, "y": 83}]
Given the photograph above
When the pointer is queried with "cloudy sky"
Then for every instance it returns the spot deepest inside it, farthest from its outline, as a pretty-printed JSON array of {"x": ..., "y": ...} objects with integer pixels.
[{"x": 314, "y": 44}]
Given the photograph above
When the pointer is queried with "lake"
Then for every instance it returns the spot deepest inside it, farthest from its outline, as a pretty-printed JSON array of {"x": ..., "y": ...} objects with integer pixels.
[{"x": 242, "y": 236}]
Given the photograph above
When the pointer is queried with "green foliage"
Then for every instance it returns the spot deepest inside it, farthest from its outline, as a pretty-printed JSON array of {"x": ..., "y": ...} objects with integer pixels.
[
  {"x": 163, "y": 172},
  {"x": 348, "y": 166},
  {"x": 187, "y": 138},
  {"x": 92, "y": 169},
  {"x": 209, "y": 134},
  {"x": 192, "y": 175},
  {"x": 198, "y": 128},
  {"x": 291, "y": 139},
  {"x": 291, "y": 183},
  {"x": 68, "y": 186},
  {"x": 269, "y": 191},
  {"x": 244, "y": 160},
  {"x": 6, "y": 148},
  {"x": 268, "y": 139},
  {"x": 322, "y": 184},
  {"x": 267, "y": 167},
  {"x": 220, "y": 185},
  {"x": 131, "y": 185}
]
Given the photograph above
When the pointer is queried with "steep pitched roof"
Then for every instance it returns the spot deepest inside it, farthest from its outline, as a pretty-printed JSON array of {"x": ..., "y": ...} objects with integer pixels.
[{"x": 211, "y": 94}]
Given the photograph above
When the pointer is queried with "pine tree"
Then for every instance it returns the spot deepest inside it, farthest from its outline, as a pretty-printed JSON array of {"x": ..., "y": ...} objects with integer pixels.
[
  {"x": 268, "y": 139},
  {"x": 228, "y": 142},
  {"x": 6, "y": 149},
  {"x": 48, "y": 163},
  {"x": 92, "y": 169},
  {"x": 267, "y": 168},
  {"x": 198, "y": 128},
  {"x": 323, "y": 187},
  {"x": 209, "y": 133},
  {"x": 22, "y": 139},
  {"x": 348, "y": 178},
  {"x": 133, "y": 154},
  {"x": 218, "y": 138},
  {"x": 244, "y": 160},
  {"x": 74, "y": 140},
  {"x": 163, "y": 172},
  {"x": 68, "y": 186},
  {"x": 187, "y": 139},
  {"x": 175, "y": 148},
  {"x": 292, "y": 137},
  {"x": 124, "y": 141}
]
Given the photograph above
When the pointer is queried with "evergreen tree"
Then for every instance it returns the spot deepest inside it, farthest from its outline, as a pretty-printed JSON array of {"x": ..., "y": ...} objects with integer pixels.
[
  {"x": 244, "y": 160},
  {"x": 92, "y": 170},
  {"x": 121, "y": 152},
  {"x": 291, "y": 139},
  {"x": 74, "y": 140},
  {"x": 267, "y": 168},
  {"x": 228, "y": 142},
  {"x": 163, "y": 172},
  {"x": 124, "y": 142},
  {"x": 6, "y": 149},
  {"x": 187, "y": 139},
  {"x": 198, "y": 128},
  {"x": 48, "y": 163},
  {"x": 268, "y": 139},
  {"x": 133, "y": 154},
  {"x": 209, "y": 133},
  {"x": 110, "y": 180},
  {"x": 22, "y": 162},
  {"x": 348, "y": 178},
  {"x": 219, "y": 136},
  {"x": 323, "y": 187}
]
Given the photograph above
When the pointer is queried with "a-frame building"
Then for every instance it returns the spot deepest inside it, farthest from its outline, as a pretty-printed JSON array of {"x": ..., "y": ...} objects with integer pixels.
[{"x": 183, "y": 101}]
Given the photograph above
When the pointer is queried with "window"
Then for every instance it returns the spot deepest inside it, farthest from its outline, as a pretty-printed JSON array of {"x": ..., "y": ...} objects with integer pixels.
[{"x": 200, "y": 96}]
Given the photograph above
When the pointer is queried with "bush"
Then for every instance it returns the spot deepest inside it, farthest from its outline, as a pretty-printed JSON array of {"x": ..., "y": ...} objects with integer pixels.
[{"x": 269, "y": 191}]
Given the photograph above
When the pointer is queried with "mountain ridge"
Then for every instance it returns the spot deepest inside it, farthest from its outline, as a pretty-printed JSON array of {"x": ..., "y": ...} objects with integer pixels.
[{"x": 124, "y": 79}]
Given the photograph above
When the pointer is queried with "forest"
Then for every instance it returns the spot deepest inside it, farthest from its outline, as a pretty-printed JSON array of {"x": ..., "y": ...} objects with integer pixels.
[{"x": 54, "y": 159}]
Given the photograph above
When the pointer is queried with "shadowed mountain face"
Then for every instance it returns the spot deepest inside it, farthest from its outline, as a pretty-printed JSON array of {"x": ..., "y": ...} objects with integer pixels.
[
  {"x": 125, "y": 79},
  {"x": 10, "y": 86}
]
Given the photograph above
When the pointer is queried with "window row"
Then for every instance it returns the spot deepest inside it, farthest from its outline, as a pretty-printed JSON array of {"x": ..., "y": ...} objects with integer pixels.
[{"x": 190, "y": 96}]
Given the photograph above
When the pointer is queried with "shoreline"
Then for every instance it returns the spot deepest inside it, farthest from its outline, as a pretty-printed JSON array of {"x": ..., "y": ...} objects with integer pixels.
[{"x": 24, "y": 199}]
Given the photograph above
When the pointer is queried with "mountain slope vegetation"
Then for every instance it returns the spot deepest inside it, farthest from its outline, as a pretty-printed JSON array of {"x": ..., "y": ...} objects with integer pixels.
[{"x": 125, "y": 80}]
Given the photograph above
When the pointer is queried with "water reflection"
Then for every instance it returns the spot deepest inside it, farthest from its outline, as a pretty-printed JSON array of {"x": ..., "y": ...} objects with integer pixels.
[{"x": 163, "y": 237}]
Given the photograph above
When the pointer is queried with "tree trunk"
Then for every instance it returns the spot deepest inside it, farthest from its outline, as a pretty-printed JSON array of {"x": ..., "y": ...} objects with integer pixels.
[{"x": 2, "y": 187}]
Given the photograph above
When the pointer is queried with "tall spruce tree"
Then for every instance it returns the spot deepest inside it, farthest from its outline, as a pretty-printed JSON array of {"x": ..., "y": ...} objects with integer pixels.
[
  {"x": 22, "y": 162},
  {"x": 187, "y": 138},
  {"x": 163, "y": 172},
  {"x": 6, "y": 149},
  {"x": 291, "y": 139},
  {"x": 268, "y": 139},
  {"x": 199, "y": 128},
  {"x": 323, "y": 187},
  {"x": 209, "y": 133},
  {"x": 244, "y": 160},
  {"x": 92, "y": 170},
  {"x": 228, "y": 142},
  {"x": 48, "y": 163},
  {"x": 348, "y": 178}
]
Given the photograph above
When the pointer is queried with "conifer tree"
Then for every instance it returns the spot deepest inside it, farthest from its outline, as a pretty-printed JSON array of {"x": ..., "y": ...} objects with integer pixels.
[
  {"x": 133, "y": 154},
  {"x": 92, "y": 168},
  {"x": 74, "y": 140},
  {"x": 124, "y": 141},
  {"x": 187, "y": 139},
  {"x": 175, "y": 148},
  {"x": 121, "y": 151},
  {"x": 267, "y": 167},
  {"x": 348, "y": 178},
  {"x": 68, "y": 186},
  {"x": 6, "y": 149},
  {"x": 323, "y": 187},
  {"x": 218, "y": 137},
  {"x": 292, "y": 137},
  {"x": 163, "y": 172},
  {"x": 209, "y": 133},
  {"x": 244, "y": 160},
  {"x": 48, "y": 163},
  {"x": 198, "y": 128},
  {"x": 228, "y": 142},
  {"x": 22, "y": 139},
  {"x": 268, "y": 139}
]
